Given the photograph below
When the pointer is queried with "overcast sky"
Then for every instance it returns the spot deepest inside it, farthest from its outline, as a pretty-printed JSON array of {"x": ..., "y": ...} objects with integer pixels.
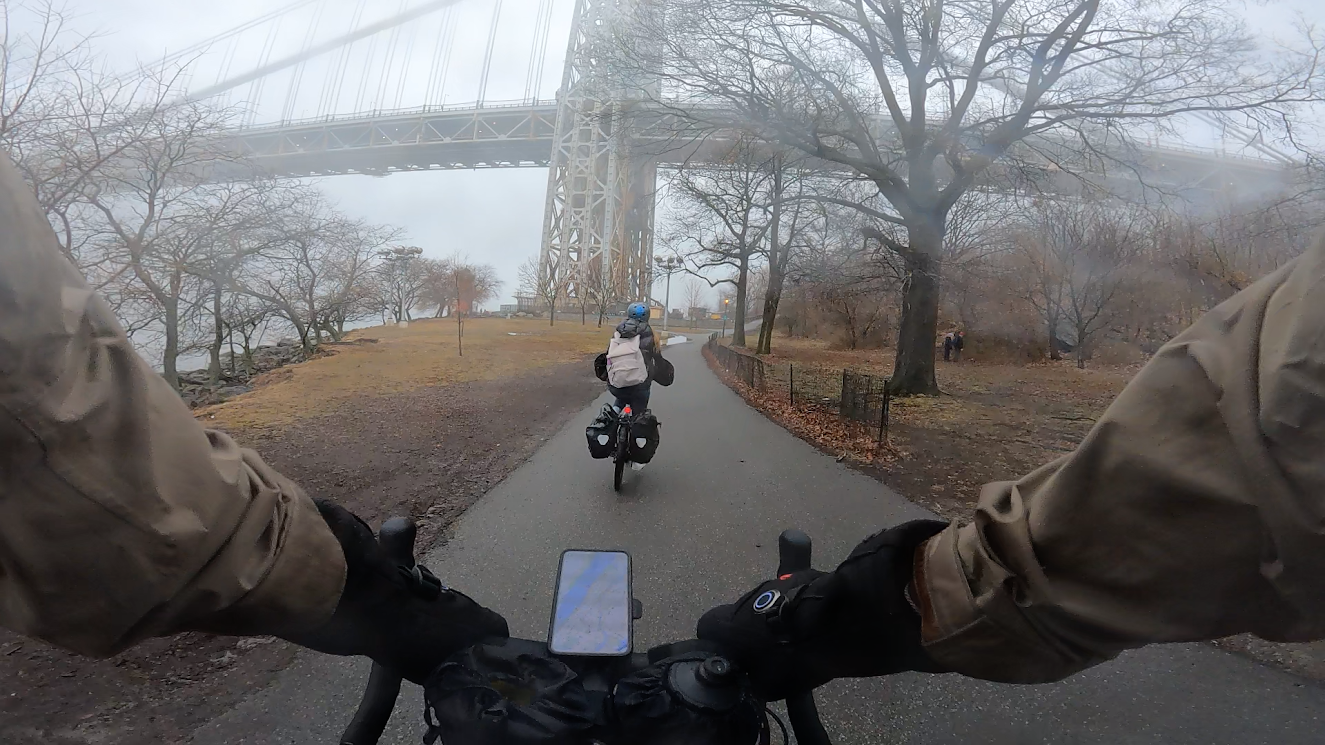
[{"x": 493, "y": 216}]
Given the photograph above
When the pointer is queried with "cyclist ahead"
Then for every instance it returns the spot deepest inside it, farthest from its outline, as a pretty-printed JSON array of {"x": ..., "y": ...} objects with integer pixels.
[{"x": 633, "y": 359}]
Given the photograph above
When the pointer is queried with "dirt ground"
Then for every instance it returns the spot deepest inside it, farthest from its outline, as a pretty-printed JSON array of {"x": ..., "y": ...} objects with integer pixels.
[
  {"x": 992, "y": 422},
  {"x": 386, "y": 428}
]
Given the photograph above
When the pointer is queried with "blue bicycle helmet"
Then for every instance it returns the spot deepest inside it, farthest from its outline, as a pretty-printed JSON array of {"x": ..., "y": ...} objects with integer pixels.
[{"x": 638, "y": 311}]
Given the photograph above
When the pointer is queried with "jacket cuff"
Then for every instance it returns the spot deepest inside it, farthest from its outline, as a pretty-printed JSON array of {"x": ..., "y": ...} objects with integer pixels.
[
  {"x": 987, "y": 637},
  {"x": 302, "y": 587}
]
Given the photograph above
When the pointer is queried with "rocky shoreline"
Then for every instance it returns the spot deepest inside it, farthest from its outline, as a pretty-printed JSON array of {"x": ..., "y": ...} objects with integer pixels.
[{"x": 196, "y": 388}]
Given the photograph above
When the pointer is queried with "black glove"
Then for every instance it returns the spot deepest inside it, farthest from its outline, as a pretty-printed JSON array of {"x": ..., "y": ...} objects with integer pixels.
[
  {"x": 801, "y": 630},
  {"x": 406, "y": 621}
]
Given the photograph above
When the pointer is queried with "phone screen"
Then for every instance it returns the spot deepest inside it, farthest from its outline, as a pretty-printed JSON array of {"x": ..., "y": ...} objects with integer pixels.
[{"x": 592, "y": 613}]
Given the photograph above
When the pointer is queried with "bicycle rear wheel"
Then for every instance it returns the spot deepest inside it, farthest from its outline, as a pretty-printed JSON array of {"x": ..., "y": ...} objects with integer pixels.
[{"x": 622, "y": 454}]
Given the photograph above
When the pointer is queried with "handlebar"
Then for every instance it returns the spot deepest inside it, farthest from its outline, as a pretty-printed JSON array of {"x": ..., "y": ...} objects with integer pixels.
[
  {"x": 794, "y": 553},
  {"x": 397, "y": 537},
  {"x": 379, "y": 698}
]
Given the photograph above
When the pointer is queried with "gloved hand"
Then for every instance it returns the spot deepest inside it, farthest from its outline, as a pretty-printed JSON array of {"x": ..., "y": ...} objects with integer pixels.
[
  {"x": 409, "y": 624},
  {"x": 801, "y": 630}
]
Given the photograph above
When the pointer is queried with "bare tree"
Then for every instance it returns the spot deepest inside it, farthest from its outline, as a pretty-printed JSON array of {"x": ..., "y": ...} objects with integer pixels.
[
  {"x": 250, "y": 225},
  {"x": 316, "y": 275},
  {"x": 243, "y": 316},
  {"x": 401, "y": 281},
  {"x": 1039, "y": 275},
  {"x": 471, "y": 285},
  {"x": 695, "y": 293},
  {"x": 438, "y": 287},
  {"x": 600, "y": 285},
  {"x": 790, "y": 216},
  {"x": 1075, "y": 264},
  {"x": 546, "y": 286},
  {"x": 721, "y": 219},
  {"x": 922, "y": 99},
  {"x": 159, "y": 215}
]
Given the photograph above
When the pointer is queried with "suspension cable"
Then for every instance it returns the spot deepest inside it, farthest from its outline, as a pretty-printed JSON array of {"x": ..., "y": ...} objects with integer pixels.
[
  {"x": 379, "y": 98},
  {"x": 487, "y": 55},
  {"x": 255, "y": 87},
  {"x": 537, "y": 51},
  {"x": 405, "y": 65},
  {"x": 332, "y": 44},
  {"x": 207, "y": 43},
  {"x": 297, "y": 75},
  {"x": 336, "y": 80},
  {"x": 449, "y": 47}
]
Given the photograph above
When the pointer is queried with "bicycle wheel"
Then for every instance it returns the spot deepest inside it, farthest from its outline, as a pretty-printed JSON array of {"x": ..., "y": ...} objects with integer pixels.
[{"x": 616, "y": 476}]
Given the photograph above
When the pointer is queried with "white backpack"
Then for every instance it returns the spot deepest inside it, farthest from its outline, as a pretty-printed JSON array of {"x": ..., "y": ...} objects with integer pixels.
[{"x": 625, "y": 362}]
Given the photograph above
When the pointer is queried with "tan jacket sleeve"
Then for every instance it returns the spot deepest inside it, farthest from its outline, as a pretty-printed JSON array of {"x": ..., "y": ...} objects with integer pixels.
[
  {"x": 120, "y": 517},
  {"x": 1194, "y": 509}
]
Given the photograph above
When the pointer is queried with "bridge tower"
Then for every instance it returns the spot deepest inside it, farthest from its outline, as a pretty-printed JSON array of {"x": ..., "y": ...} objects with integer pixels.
[{"x": 599, "y": 211}]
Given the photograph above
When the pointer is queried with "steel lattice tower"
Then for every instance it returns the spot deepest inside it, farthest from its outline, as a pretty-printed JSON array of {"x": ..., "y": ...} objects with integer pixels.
[{"x": 599, "y": 211}]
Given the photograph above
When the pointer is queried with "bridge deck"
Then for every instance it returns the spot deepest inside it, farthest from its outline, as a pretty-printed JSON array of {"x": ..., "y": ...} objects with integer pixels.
[{"x": 520, "y": 135}]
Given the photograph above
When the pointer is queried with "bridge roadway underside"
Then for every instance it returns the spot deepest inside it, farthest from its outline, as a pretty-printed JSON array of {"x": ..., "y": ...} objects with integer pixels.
[{"x": 521, "y": 137}]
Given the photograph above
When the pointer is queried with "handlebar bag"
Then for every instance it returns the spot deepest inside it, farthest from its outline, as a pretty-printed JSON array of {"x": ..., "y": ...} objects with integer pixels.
[
  {"x": 650, "y": 711},
  {"x": 507, "y": 693},
  {"x": 600, "y": 366}
]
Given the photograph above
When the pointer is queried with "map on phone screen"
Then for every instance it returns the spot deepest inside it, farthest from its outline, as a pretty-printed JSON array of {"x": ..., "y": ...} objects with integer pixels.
[{"x": 593, "y": 606}]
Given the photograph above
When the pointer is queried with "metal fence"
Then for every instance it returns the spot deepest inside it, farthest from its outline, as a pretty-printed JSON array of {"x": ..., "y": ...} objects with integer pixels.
[{"x": 856, "y": 397}]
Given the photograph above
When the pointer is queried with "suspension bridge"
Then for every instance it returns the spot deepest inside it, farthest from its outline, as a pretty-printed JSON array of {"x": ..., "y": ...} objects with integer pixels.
[{"x": 393, "y": 87}]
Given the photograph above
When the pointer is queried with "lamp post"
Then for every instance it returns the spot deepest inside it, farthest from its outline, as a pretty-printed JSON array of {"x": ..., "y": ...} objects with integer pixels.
[
  {"x": 668, "y": 265},
  {"x": 725, "y": 302}
]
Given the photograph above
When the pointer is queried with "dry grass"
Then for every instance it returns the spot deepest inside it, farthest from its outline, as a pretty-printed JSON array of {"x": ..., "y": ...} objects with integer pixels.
[
  {"x": 992, "y": 421},
  {"x": 387, "y": 359}
]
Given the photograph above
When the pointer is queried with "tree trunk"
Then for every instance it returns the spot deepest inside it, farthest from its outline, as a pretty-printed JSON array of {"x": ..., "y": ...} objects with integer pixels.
[
  {"x": 218, "y": 337},
  {"x": 300, "y": 328},
  {"x": 247, "y": 345},
  {"x": 1053, "y": 339},
  {"x": 742, "y": 278},
  {"x": 913, "y": 368},
  {"x": 230, "y": 334},
  {"x": 460, "y": 334},
  {"x": 171, "y": 352},
  {"x": 773, "y": 293},
  {"x": 1081, "y": 347}
]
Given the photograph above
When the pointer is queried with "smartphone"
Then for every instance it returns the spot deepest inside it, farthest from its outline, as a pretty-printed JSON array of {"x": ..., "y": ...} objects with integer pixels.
[{"x": 591, "y": 615}]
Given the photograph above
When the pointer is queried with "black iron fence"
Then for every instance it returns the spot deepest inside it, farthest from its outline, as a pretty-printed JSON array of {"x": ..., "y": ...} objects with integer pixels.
[{"x": 858, "y": 398}]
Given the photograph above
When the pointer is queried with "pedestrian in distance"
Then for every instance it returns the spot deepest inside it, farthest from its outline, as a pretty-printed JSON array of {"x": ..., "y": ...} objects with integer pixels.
[
  {"x": 947, "y": 346},
  {"x": 958, "y": 342}
]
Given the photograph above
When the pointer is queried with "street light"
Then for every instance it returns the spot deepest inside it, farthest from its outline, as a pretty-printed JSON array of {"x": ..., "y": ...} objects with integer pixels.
[
  {"x": 668, "y": 265},
  {"x": 725, "y": 302}
]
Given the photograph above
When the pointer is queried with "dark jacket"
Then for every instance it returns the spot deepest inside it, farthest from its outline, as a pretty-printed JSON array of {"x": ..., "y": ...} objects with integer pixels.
[{"x": 648, "y": 343}]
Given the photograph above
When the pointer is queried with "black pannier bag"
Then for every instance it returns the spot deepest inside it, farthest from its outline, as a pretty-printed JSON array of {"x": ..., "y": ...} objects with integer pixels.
[
  {"x": 644, "y": 429},
  {"x": 601, "y": 433}
]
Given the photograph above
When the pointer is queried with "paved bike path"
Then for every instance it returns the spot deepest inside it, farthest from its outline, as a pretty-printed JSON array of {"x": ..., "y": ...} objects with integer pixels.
[{"x": 701, "y": 525}]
